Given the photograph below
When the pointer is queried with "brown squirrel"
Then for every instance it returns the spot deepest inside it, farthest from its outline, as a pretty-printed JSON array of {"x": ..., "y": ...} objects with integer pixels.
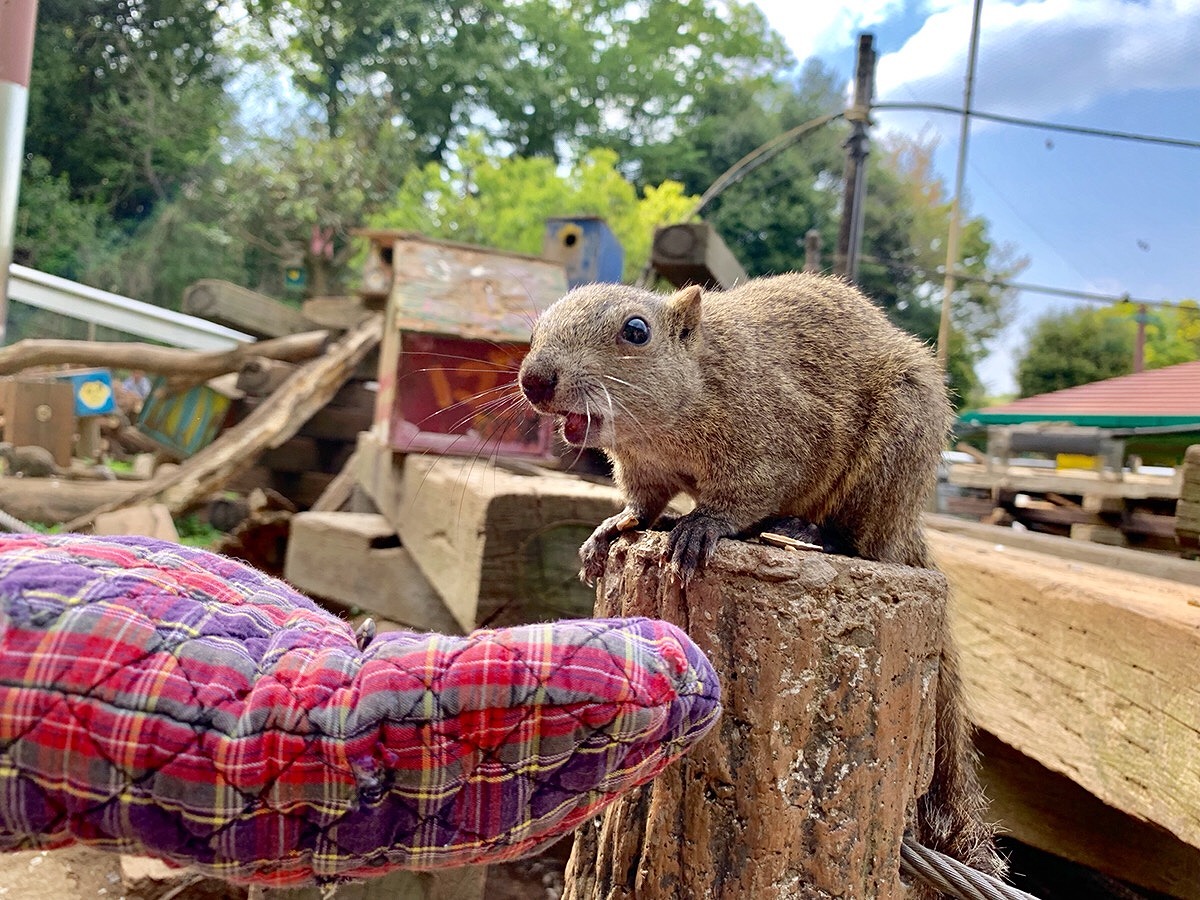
[
  {"x": 786, "y": 398},
  {"x": 31, "y": 461}
]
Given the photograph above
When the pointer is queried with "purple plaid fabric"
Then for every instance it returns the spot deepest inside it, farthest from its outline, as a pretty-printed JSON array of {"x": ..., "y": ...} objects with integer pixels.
[{"x": 163, "y": 700}]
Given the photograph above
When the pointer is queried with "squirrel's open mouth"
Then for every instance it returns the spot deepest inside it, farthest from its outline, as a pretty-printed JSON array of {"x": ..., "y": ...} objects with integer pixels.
[{"x": 576, "y": 427}]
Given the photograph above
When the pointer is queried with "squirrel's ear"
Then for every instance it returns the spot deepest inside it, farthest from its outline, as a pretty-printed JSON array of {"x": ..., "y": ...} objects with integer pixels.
[{"x": 685, "y": 307}]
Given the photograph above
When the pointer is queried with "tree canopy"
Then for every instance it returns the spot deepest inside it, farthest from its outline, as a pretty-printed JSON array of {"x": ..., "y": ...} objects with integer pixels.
[{"x": 171, "y": 140}]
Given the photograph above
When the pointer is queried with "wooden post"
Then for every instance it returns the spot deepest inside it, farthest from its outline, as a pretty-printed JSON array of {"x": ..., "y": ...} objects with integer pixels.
[
  {"x": 828, "y": 669},
  {"x": 812, "y": 250},
  {"x": 855, "y": 175}
]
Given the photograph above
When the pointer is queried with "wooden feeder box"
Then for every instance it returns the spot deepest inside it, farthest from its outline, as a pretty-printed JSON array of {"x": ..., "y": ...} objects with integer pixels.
[
  {"x": 187, "y": 421},
  {"x": 457, "y": 325},
  {"x": 39, "y": 412}
]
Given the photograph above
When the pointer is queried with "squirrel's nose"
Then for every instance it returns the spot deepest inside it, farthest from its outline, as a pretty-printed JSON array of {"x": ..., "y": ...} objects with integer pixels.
[{"x": 537, "y": 386}]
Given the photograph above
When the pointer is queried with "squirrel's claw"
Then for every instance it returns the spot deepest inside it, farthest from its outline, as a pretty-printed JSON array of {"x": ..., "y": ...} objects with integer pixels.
[
  {"x": 594, "y": 552},
  {"x": 693, "y": 540}
]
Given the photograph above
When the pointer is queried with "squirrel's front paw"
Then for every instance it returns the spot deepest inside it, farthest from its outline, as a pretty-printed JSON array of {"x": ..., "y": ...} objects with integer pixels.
[
  {"x": 594, "y": 552},
  {"x": 693, "y": 541}
]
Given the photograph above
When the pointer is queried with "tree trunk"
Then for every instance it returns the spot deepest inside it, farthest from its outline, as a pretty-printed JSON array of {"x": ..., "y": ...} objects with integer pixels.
[{"x": 829, "y": 672}]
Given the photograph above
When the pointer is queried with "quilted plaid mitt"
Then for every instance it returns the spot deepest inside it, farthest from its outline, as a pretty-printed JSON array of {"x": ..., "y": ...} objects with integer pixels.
[{"x": 162, "y": 700}]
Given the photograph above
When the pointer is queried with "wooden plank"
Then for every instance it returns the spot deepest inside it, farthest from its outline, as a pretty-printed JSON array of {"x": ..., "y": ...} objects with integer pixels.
[
  {"x": 1134, "y": 561},
  {"x": 355, "y": 559},
  {"x": 499, "y": 547},
  {"x": 1134, "y": 486},
  {"x": 693, "y": 253},
  {"x": 1047, "y": 810},
  {"x": 237, "y": 307},
  {"x": 469, "y": 292},
  {"x": 1088, "y": 670}
]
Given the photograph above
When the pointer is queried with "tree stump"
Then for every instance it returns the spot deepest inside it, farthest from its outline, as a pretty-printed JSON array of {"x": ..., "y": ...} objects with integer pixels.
[{"x": 829, "y": 672}]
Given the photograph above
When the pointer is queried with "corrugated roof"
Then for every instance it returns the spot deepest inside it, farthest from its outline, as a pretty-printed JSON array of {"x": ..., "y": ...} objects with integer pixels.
[{"x": 1164, "y": 396}]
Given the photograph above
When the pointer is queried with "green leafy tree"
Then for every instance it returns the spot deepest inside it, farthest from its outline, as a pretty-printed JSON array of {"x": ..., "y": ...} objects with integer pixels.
[
  {"x": 765, "y": 216},
  {"x": 504, "y": 202},
  {"x": 1080, "y": 346},
  {"x": 538, "y": 75},
  {"x": 126, "y": 97},
  {"x": 294, "y": 199}
]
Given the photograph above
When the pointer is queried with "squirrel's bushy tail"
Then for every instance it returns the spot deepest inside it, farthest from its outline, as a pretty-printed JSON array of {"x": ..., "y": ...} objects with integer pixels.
[{"x": 952, "y": 815}]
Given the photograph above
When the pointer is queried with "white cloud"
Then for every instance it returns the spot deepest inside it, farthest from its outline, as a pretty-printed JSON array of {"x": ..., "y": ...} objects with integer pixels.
[
  {"x": 818, "y": 27},
  {"x": 1045, "y": 57}
]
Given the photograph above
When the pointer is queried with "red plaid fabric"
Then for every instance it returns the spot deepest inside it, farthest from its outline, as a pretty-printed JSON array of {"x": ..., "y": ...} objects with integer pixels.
[{"x": 162, "y": 700}]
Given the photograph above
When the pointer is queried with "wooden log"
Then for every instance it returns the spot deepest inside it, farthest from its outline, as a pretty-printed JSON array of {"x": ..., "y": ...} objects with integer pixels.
[
  {"x": 828, "y": 669},
  {"x": 1088, "y": 670},
  {"x": 237, "y": 307},
  {"x": 272, "y": 423},
  {"x": 53, "y": 501},
  {"x": 261, "y": 377},
  {"x": 190, "y": 365},
  {"x": 355, "y": 559},
  {"x": 335, "y": 313},
  {"x": 500, "y": 548}
]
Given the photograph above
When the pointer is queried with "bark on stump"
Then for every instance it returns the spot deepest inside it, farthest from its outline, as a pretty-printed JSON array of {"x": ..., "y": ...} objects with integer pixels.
[{"x": 828, "y": 670}]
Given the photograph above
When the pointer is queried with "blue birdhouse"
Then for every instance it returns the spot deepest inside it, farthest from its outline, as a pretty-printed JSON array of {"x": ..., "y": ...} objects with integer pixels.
[{"x": 585, "y": 247}]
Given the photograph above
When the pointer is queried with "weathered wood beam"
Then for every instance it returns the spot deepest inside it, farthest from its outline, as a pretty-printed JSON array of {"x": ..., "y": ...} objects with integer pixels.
[
  {"x": 500, "y": 548},
  {"x": 1088, "y": 670},
  {"x": 269, "y": 425},
  {"x": 52, "y": 501},
  {"x": 1135, "y": 561},
  {"x": 192, "y": 364},
  {"x": 1049, "y": 811},
  {"x": 230, "y": 304}
]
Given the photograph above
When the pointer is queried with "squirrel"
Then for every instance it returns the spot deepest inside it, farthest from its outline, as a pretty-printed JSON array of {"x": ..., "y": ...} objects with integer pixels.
[
  {"x": 789, "y": 400},
  {"x": 31, "y": 461}
]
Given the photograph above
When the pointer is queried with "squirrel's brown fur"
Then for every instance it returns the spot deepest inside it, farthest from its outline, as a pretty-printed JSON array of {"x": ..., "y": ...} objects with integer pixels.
[{"x": 786, "y": 396}]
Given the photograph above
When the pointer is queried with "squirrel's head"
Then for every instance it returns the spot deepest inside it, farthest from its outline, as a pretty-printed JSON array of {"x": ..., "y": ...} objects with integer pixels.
[{"x": 615, "y": 363}]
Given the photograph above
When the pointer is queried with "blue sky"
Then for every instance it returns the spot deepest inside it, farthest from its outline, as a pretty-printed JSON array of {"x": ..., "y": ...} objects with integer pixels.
[{"x": 1090, "y": 214}]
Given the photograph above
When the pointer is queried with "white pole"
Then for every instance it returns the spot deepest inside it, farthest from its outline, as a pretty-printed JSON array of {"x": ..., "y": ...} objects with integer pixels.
[
  {"x": 943, "y": 348},
  {"x": 17, "y": 18}
]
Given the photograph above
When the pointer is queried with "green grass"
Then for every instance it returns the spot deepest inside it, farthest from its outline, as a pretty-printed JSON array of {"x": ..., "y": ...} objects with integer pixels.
[{"x": 195, "y": 533}]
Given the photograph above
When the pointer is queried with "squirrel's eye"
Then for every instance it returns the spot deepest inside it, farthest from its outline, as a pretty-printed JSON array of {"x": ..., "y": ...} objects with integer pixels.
[{"x": 636, "y": 331}]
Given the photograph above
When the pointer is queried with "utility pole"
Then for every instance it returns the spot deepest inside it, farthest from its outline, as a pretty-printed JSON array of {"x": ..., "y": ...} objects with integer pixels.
[
  {"x": 1142, "y": 316},
  {"x": 855, "y": 174},
  {"x": 943, "y": 343},
  {"x": 17, "y": 18}
]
